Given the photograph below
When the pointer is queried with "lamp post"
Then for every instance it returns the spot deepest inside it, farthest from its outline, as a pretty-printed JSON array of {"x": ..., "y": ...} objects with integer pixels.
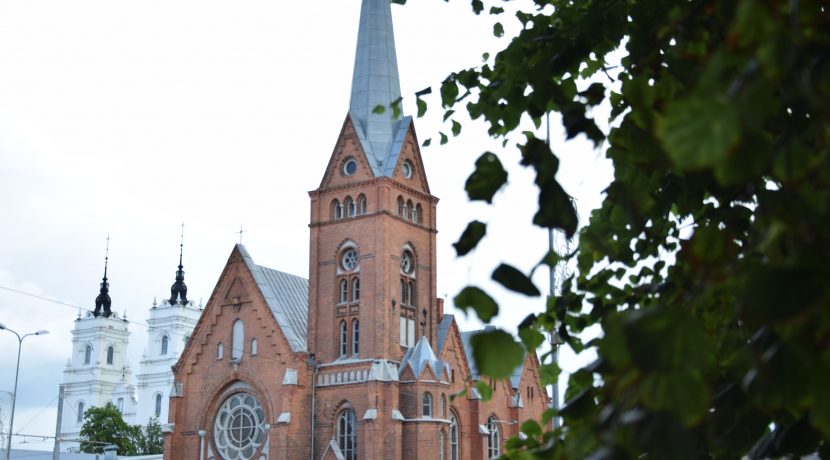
[{"x": 16, "y": 374}]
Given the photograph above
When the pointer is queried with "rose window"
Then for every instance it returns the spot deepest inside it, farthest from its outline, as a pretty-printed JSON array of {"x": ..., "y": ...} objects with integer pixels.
[{"x": 239, "y": 430}]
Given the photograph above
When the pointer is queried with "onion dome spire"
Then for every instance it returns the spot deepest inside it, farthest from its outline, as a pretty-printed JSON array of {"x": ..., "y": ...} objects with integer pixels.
[
  {"x": 179, "y": 289},
  {"x": 103, "y": 299}
]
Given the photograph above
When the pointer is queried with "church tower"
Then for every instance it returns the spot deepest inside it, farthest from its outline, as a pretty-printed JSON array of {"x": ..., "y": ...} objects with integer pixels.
[
  {"x": 372, "y": 251},
  {"x": 97, "y": 372},
  {"x": 169, "y": 327}
]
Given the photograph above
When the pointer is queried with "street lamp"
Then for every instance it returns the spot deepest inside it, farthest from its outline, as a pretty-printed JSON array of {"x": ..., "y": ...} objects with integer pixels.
[{"x": 16, "y": 374}]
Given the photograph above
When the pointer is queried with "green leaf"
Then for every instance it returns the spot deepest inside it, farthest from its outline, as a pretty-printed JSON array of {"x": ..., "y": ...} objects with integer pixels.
[
  {"x": 449, "y": 91},
  {"x": 474, "y": 232},
  {"x": 513, "y": 279},
  {"x": 474, "y": 298},
  {"x": 379, "y": 109},
  {"x": 684, "y": 393},
  {"x": 531, "y": 338},
  {"x": 478, "y": 6},
  {"x": 456, "y": 128},
  {"x": 427, "y": 142},
  {"x": 699, "y": 133},
  {"x": 496, "y": 353},
  {"x": 422, "y": 106},
  {"x": 498, "y": 29},
  {"x": 531, "y": 428},
  {"x": 444, "y": 138},
  {"x": 484, "y": 390},
  {"x": 487, "y": 178}
]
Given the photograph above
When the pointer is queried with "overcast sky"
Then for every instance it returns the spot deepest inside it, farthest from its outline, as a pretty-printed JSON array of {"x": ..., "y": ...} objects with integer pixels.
[{"x": 128, "y": 118}]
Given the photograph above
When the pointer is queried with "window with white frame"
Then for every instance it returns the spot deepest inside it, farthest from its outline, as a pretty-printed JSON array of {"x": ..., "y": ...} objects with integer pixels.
[
  {"x": 454, "y": 447},
  {"x": 157, "y": 411},
  {"x": 336, "y": 210},
  {"x": 220, "y": 351},
  {"x": 361, "y": 204},
  {"x": 441, "y": 445},
  {"x": 407, "y": 332},
  {"x": 427, "y": 405},
  {"x": 343, "y": 338},
  {"x": 237, "y": 340},
  {"x": 164, "y": 344},
  {"x": 254, "y": 346},
  {"x": 355, "y": 337},
  {"x": 80, "y": 412},
  {"x": 110, "y": 354},
  {"x": 347, "y": 434},
  {"x": 493, "y": 438},
  {"x": 87, "y": 354}
]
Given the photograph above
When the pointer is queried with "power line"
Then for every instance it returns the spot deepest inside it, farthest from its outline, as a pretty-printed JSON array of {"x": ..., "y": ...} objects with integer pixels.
[{"x": 46, "y": 299}]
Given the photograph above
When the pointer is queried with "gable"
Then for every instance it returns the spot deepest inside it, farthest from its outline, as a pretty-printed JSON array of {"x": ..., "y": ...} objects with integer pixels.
[
  {"x": 451, "y": 348},
  {"x": 348, "y": 146}
]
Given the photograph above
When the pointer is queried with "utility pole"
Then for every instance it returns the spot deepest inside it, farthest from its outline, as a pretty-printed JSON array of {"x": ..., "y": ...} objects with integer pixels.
[{"x": 57, "y": 450}]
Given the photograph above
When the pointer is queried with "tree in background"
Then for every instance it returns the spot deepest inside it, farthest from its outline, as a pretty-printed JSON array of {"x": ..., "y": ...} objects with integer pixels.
[
  {"x": 154, "y": 438},
  {"x": 105, "y": 425},
  {"x": 706, "y": 267}
]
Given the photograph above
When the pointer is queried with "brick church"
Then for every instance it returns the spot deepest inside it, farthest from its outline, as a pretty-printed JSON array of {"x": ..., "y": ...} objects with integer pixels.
[{"x": 360, "y": 360}]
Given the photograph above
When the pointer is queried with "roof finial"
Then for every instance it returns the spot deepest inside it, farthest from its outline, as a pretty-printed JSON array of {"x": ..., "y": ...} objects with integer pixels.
[
  {"x": 241, "y": 231},
  {"x": 179, "y": 289},
  {"x": 375, "y": 82},
  {"x": 103, "y": 299}
]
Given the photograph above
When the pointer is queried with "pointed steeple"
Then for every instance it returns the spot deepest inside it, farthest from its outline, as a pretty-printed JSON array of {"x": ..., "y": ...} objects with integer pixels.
[
  {"x": 179, "y": 289},
  {"x": 103, "y": 299},
  {"x": 375, "y": 82}
]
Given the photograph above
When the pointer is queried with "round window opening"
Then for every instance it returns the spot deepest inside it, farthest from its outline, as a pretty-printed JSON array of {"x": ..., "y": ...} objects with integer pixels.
[
  {"x": 407, "y": 169},
  {"x": 350, "y": 167},
  {"x": 239, "y": 430},
  {"x": 349, "y": 259},
  {"x": 406, "y": 262}
]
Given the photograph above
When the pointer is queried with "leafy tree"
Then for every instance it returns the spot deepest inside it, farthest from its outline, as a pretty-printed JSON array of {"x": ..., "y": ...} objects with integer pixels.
[
  {"x": 154, "y": 438},
  {"x": 105, "y": 425},
  {"x": 706, "y": 266}
]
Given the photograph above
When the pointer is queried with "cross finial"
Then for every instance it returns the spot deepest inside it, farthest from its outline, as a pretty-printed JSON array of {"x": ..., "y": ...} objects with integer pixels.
[
  {"x": 241, "y": 231},
  {"x": 106, "y": 258},
  {"x": 181, "y": 247}
]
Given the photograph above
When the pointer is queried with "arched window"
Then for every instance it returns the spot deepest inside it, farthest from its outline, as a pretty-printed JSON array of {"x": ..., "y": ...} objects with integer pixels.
[
  {"x": 87, "y": 354},
  {"x": 158, "y": 406},
  {"x": 238, "y": 340},
  {"x": 441, "y": 445},
  {"x": 343, "y": 338},
  {"x": 419, "y": 212},
  {"x": 253, "y": 347},
  {"x": 110, "y": 354},
  {"x": 454, "y": 449},
  {"x": 408, "y": 210},
  {"x": 427, "y": 405},
  {"x": 355, "y": 337},
  {"x": 120, "y": 405},
  {"x": 351, "y": 209},
  {"x": 443, "y": 405},
  {"x": 80, "y": 411},
  {"x": 336, "y": 210},
  {"x": 164, "y": 342},
  {"x": 344, "y": 291},
  {"x": 347, "y": 434},
  {"x": 361, "y": 204},
  {"x": 220, "y": 351},
  {"x": 410, "y": 292},
  {"x": 494, "y": 438},
  {"x": 355, "y": 289},
  {"x": 401, "y": 207}
]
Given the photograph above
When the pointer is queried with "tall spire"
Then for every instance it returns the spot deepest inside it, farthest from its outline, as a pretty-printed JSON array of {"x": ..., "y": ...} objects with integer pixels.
[
  {"x": 103, "y": 299},
  {"x": 179, "y": 289},
  {"x": 375, "y": 82}
]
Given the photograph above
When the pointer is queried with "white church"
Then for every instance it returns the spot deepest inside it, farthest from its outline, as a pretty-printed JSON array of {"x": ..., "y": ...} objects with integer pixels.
[{"x": 98, "y": 372}]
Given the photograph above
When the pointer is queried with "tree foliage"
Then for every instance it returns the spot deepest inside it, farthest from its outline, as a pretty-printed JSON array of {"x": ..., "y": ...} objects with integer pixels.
[
  {"x": 706, "y": 267},
  {"x": 105, "y": 425}
]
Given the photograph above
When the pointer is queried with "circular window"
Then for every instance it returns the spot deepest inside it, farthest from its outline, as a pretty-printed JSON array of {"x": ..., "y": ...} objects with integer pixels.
[
  {"x": 349, "y": 167},
  {"x": 407, "y": 264},
  {"x": 239, "y": 430},
  {"x": 349, "y": 259},
  {"x": 407, "y": 169}
]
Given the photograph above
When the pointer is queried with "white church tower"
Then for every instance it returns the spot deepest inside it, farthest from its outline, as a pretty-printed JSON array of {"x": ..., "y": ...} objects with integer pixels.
[
  {"x": 97, "y": 372},
  {"x": 168, "y": 328}
]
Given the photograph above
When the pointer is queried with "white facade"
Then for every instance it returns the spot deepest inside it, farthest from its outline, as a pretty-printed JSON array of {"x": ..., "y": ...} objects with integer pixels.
[
  {"x": 96, "y": 373},
  {"x": 168, "y": 328}
]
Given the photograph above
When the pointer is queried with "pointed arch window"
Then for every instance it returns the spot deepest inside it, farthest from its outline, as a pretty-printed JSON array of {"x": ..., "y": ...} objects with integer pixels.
[
  {"x": 347, "y": 434},
  {"x": 351, "y": 208},
  {"x": 419, "y": 214},
  {"x": 355, "y": 337},
  {"x": 494, "y": 438},
  {"x": 164, "y": 344},
  {"x": 158, "y": 406},
  {"x": 80, "y": 412},
  {"x": 401, "y": 207},
  {"x": 87, "y": 354},
  {"x": 454, "y": 448},
  {"x": 361, "y": 204},
  {"x": 336, "y": 210},
  {"x": 409, "y": 211},
  {"x": 408, "y": 264},
  {"x": 355, "y": 289},
  {"x": 343, "y": 338},
  {"x": 110, "y": 354},
  {"x": 344, "y": 291},
  {"x": 427, "y": 405},
  {"x": 441, "y": 445},
  {"x": 443, "y": 405},
  {"x": 238, "y": 340},
  {"x": 220, "y": 351},
  {"x": 254, "y": 346}
]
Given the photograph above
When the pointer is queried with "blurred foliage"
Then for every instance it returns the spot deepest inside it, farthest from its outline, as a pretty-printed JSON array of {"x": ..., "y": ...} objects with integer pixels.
[
  {"x": 105, "y": 425},
  {"x": 706, "y": 266}
]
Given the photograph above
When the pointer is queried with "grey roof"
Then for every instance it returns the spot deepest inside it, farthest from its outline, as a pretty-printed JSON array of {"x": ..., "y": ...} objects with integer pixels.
[
  {"x": 421, "y": 356},
  {"x": 515, "y": 377},
  {"x": 20, "y": 454},
  {"x": 287, "y": 296},
  {"x": 375, "y": 82},
  {"x": 443, "y": 331}
]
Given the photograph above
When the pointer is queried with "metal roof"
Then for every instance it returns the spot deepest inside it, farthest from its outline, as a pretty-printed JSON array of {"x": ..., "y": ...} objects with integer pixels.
[
  {"x": 515, "y": 377},
  {"x": 375, "y": 82},
  {"x": 287, "y": 297}
]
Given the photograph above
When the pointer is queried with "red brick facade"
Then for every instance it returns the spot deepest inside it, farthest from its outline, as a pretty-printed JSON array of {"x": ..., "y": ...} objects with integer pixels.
[{"x": 304, "y": 393}]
